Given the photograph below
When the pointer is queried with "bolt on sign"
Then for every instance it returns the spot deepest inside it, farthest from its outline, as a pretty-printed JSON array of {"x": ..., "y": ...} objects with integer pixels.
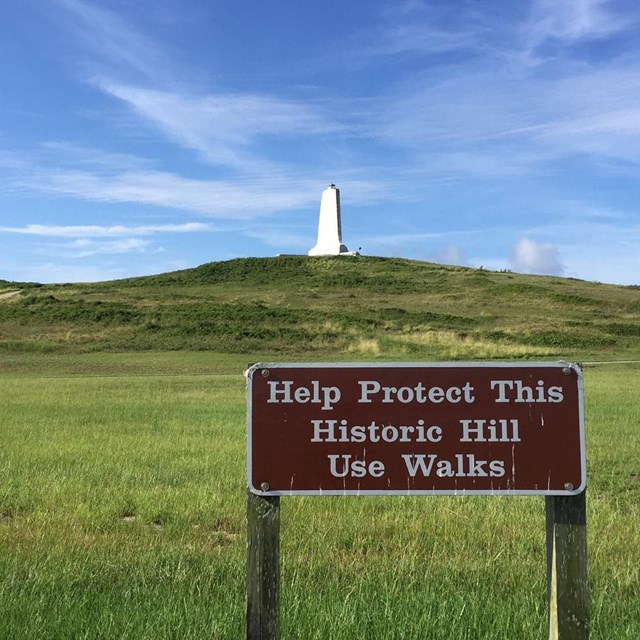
[{"x": 415, "y": 428}]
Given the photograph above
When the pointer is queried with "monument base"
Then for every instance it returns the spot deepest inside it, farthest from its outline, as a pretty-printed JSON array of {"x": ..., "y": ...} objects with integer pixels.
[{"x": 335, "y": 250}]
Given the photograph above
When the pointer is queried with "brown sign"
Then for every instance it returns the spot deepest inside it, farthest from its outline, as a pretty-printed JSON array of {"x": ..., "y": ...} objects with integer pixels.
[{"x": 405, "y": 428}]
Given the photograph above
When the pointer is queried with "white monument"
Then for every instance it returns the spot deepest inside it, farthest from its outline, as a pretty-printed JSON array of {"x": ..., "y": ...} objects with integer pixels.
[{"x": 330, "y": 227}]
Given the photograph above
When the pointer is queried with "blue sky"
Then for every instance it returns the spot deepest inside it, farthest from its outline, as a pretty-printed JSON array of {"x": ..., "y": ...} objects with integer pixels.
[{"x": 143, "y": 137}]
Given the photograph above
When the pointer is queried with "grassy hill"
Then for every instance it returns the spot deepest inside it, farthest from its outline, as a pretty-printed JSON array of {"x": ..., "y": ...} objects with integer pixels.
[{"x": 348, "y": 308}]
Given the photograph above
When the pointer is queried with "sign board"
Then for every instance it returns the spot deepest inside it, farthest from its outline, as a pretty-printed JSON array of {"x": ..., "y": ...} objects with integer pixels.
[{"x": 415, "y": 428}]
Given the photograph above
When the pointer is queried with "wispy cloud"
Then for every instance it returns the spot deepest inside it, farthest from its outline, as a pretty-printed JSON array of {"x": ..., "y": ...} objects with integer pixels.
[
  {"x": 86, "y": 241},
  {"x": 113, "y": 40},
  {"x": 222, "y": 126},
  {"x": 96, "y": 176},
  {"x": 85, "y": 248},
  {"x": 493, "y": 121},
  {"x": 96, "y": 231},
  {"x": 570, "y": 22},
  {"x": 240, "y": 199},
  {"x": 487, "y": 99},
  {"x": 422, "y": 29},
  {"x": 489, "y": 110},
  {"x": 483, "y": 118},
  {"x": 420, "y": 38},
  {"x": 67, "y": 154}
]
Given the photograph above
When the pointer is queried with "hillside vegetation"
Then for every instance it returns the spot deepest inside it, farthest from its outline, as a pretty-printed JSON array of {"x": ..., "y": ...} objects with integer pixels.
[{"x": 296, "y": 306}]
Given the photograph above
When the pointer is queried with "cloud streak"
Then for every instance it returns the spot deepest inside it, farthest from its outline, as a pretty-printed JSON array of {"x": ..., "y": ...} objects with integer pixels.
[
  {"x": 82, "y": 174},
  {"x": 571, "y": 22},
  {"x": 239, "y": 199},
  {"x": 593, "y": 112},
  {"x": 88, "y": 248},
  {"x": 96, "y": 231},
  {"x": 114, "y": 40},
  {"x": 512, "y": 120},
  {"x": 222, "y": 126}
]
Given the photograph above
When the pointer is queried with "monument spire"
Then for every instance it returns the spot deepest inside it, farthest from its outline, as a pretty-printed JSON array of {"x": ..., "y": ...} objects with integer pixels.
[{"x": 329, "y": 226}]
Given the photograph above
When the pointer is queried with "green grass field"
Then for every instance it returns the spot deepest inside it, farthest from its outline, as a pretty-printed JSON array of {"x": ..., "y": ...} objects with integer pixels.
[{"x": 122, "y": 515}]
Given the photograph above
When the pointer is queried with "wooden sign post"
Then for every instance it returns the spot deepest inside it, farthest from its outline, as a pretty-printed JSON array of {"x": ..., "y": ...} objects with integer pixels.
[
  {"x": 567, "y": 582},
  {"x": 418, "y": 429},
  {"x": 263, "y": 567}
]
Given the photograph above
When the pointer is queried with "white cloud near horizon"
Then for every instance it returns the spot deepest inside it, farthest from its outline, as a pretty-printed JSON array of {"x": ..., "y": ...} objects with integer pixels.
[
  {"x": 56, "y": 272},
  {"x": 451, "y": 254},
  {"x": 71, "y": 270},
  {"x": 541, "y": 258}
]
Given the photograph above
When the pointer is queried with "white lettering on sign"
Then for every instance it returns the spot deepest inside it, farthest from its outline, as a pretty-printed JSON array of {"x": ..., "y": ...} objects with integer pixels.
[
  {"x": 463, "y": 466},
  {"x": 419, "y": 393},
  {"x": 517, "y": 391},
  {"x": 332, "y": 431},
  {"x": 480, "y": 430},
  {"x": 284, "y": 392},
  {"x": 342, "y": 465}
]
